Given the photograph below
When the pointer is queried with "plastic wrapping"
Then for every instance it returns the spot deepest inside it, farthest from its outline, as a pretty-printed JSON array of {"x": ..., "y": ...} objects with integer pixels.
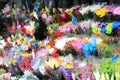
[
  {"x": 40, "y": 57},
  {"x": 36, "y": 62}
]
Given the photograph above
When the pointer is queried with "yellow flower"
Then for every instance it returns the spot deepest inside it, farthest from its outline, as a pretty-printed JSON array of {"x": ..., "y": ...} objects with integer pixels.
[
  {"x": 48, "y": 47},
  {"x": 25, "y": 55},
  {"x": 31, "y": 14},
  {"x": 41, "y": 44},
  {"x": 52, "y": 62},
  {"x": 69, "y": 11},
  {"x": 102, "y": 45},
  {"x": 68, "y": 65},
  {"x": 101, "y": 12}
]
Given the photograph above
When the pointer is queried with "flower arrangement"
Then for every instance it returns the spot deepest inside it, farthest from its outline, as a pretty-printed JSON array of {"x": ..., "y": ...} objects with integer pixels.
[
  {"x": 27, "y": 48},
  {"x": 106, "y": 67},
  {"x": 107, "y": 28}
]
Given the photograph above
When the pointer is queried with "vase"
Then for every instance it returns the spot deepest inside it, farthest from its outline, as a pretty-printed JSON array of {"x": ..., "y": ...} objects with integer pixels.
[
  {"x": 67, "y": 3},
  {"x": 53, "y": 3}
]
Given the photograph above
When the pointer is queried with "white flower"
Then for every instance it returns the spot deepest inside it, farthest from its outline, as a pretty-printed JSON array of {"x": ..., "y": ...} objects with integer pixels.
[
  {"x": 93, "y": 8},
  {"x": 2, "y": 43},
  {"x": 30, "y": 27},
  {"x": 93, "y": 24},
  {"x": 84, "y": 10},
  {"x": 102, "y": 76},
  {"x": 97, "y": 75},
  {"x": 6, "y": 9},
  {"x": 62, "y": 42},
  {"x": 112, "y": 77}
]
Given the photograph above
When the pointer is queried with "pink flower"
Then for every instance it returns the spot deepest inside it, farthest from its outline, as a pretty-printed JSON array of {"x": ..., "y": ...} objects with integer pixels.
[
  {"x": 6, "y": 9},
  {"x": 25, "y": 47},
  {"x": 117, "y": 11},
  {"x": 63, "y": 30},
  {"x": 49, "y": 18},
  {"x": 19, "y": 26},
  {"x": 110, "y": 8},
  {"x": 89, "y": 67},
  {"x": 87, "y": 26}
]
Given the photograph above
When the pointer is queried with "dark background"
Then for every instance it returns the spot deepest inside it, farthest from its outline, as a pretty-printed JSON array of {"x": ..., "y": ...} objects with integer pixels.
[{"x": 76, "y": 2}]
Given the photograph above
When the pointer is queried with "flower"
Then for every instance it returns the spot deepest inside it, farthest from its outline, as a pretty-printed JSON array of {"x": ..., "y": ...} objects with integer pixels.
[
  {"x": 2, "y": 42},
  {"x": 109, "y": 28},
  {"x": 69, "y": 11},
  {"x": 91, "y": 8},
  {"x": 84, "y": 10},
  {"x": 110, "y": 8},
  {"x": 101, "y": 12},
  {"x": 53, "y": 62},
  {"x": 116, "y": 11},
  {"x": 6, "y": 9},
  {"x": 97, "y": 75}
]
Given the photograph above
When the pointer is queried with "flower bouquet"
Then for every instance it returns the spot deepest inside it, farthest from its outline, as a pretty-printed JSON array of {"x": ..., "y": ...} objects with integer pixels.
[{"x": 69, "y": 49}]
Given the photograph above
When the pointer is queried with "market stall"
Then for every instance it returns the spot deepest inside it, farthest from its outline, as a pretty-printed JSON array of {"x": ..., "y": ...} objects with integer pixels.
[{"x": 49, "y": 42}]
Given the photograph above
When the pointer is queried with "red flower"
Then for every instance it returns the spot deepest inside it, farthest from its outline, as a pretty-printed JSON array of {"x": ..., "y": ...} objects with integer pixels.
[
  {"x": 65, "y": 16},
  {"x": 26, "y": 65},
  {"x": 6, "y": 40},
  {"x": 62, "y": 18},
  {"x": 22, "y": 30},
  {"x": 55, "y": 52},
  {"x": 58, "y": 33},
  {"x": 51, "y": 43},
  {"x": 49, "y": 34},
  {"x": 118, "y": 31},
  {"x": 57, "y": 11},
  {"x": 11, "y": 30},
  {"x": 6, "y": 53},
  {"x": 89, "y": 67},
  {"x": 7, "y": 44}
]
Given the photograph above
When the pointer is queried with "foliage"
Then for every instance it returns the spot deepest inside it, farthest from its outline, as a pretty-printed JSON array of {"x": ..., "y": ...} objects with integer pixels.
[{"x": 106, "y": 67}]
